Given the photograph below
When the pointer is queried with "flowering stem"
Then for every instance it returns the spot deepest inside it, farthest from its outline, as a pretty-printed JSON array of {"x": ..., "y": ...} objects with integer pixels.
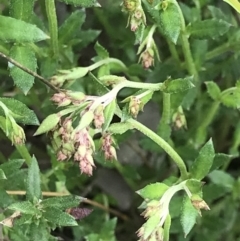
[
  {"x": 106, "y": 61},
  {"x": 163, "y": 144},
  {"x": 150, "y": 36},
  {"x": 23, "y": 151},
  {"x": 53, "y": 26},
  {"x": 139, "y": 85},
  {"x": 167, "y": 226}
]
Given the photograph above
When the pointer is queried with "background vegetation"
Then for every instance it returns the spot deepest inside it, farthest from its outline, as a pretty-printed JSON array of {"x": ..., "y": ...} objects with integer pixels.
[{"x": 182, "y": 58}]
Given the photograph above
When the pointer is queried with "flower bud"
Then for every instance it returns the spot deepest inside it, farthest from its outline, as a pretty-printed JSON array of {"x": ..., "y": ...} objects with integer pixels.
[
  {"x": 130, "y": 5},
  {"x": 99, "y": 116},
  {"x": 134, "y": 106},
  {"x": 76, "y": 97}
]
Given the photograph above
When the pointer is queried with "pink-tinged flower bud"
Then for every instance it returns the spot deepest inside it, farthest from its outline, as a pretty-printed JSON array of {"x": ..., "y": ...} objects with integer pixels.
[
  {"x": 199, "y": 203},
  {"x": 99, "y": 117},
  {"x": 89, "y": 159},
  {"x": 58, "y": 97},
  {"x": 113, "y": 153},
  {"x": 86, "y": 167},
  {"x": 67, "y": 125},
  {"x": 147, "y": 58},
  {"x": 61, "y": 156},
  {"x": 134, "y": 24}
]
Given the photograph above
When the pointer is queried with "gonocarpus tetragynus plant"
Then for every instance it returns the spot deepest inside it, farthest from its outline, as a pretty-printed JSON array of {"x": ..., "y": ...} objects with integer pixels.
[{"x": 84, "y": 71}]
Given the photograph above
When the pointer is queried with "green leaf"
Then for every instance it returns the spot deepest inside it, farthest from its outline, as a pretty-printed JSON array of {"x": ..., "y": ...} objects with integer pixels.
[
  {"x": 20, "y": 112},
  {"x": 33, "y": 181},
  {"x": 120, "y": 128},
  {"x": 219, "y": 160},
  {"x": 11, "y": 166},
  {"x": 21, "y": 32},
  {"x": 170, "y": 21},
  {"x": 24, "y": 207},
  {"x": 48, "y": 124},
  {"x": 101, "y": 51},
  {"x": 22, "y": 10},
  {"x": 71, "y": 26},
  {"x": 153, "y": 191},
  {"x": 2, "y": 174},
  {"x": 63, "y": 202},
  {"x": 234, "y": 3},
  {"x": 194, "y": 186},
  {"x": 213, "y": 90},
  {"x": 231, "y": 98},
  {"x": 108, "y": 114},
  {"x": 82, "y": 3},
  {"x": 38, "y": 232},
  {"x": 188, "y": 216},
  {"x": 25, "y": 56},
  {"x": 201, "y": 166},
  {"x": 57, "y": 217},
  {"x": 221, "y": 178},
  {"x": 178, "y": 85},
  {"x": 210, "y": 28},
  {"x": 5, "y": 199}
]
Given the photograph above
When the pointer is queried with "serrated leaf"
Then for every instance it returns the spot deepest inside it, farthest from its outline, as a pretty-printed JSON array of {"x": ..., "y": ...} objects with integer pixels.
[
  {"x": 108, "y": 114},
  {"x": 33, "y": 181},
  {"x": 210, "y": 28},
  {"x": 2, "y": 174},
  {"x": 71, "y": 26},
  {"x": 221, "y": 178},
  {"x": 63, "y": 202},
  {"x": 25, "y": 56},
  {"x": 219, "y": 160},
  {"x": 170, "y": 21},
  {"x": 82, "y": 3},
  {"x": 120, "y": 128},
  {"x": 5, "y": 199},
  {"x": 57, "y": 217},
  {"x": 213, "y": 90},
  {"x": 153, "y": 191},
  {"x": 11, "y": 166},
  {"x": 178, "y": 85},
  {"x": 21, "y": 32},
  {"x": 21, "y": 113},
  {"x": 234, "y": 3},
  {"x": 48, "y": 124},
  {"x": 202, "y": 164},
  {"x": 24, "y": 207},
  {"x": 38, "y": 232},
  {"x": 188, "y": 216},
  {"x": 101, "y": 51},
  {"x": 231, "y": 98}
]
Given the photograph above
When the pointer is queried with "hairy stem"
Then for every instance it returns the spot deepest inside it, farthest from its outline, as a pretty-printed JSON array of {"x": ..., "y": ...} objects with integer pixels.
[
  {"x": 23, "y": 151},
  {"x": 186, "y": 48},
  {"x": 164, "y": 145},
  {"x": 53, "y": 26}
]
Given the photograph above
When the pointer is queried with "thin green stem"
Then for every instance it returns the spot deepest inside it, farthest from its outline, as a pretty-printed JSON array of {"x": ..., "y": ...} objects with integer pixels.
[
  {"x": 174, "y": 51},
  {"x": 186, "y": 48},
  {"x": 140, "y": 85},
  {"x": 163, "y": 144},
  {"x": 167, "y": 226},
  {"x": 208, "y": 118},
  {"x": 23, "y": 151},
  {"x": 166, "y": 113},
  {"x": 53, "y": 26},
  {"x": 107, "y": 61},
  {"x": 222, "y": 49}
]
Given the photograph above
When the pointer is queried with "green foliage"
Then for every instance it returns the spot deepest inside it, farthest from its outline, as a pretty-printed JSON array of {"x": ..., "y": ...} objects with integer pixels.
[{"x": 77, "y": 87}]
